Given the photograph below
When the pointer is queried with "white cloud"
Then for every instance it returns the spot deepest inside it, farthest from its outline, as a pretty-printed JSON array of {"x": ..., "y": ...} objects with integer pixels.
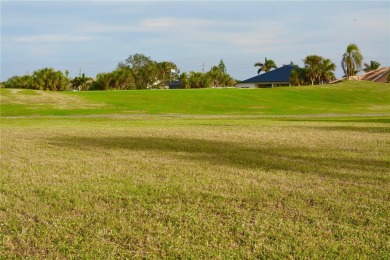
[
  {"x": 214, "y": 33},
  {"x": 191, "y": 33}
]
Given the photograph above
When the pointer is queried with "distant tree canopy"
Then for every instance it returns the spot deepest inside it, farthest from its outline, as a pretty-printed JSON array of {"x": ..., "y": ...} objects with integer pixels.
[
  {"x": 218, "y": 77},
  {"x": 298, "y": 76},
  {"x": 143, "y": 68},
  {"x": 121, "y": 78},
  {"x": 148, "y": 73},
  {"x": 317, "y": 70},
  {"x": 81, "y": 82},
  {"x": 43, "y": 79},
  {"x": 25, "y": 81},
  {"x": 373, "y": 65},
  {"x": 151, "y": 74},
  {"x": 266, "y": 66},
  {"x": 222, "y": 67},
  {"x": 138, "y": 71}
]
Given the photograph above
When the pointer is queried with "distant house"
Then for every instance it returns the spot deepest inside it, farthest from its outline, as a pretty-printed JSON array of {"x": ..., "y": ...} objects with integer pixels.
[
  {"x": 378, "y": 75},
  {"x": 270, "y": 79},
  {"x": 176, "y": 84}
]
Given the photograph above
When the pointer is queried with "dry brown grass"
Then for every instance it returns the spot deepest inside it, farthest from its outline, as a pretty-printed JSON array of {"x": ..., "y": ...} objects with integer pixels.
[
  {"x": 39, "y": 99},
  {"x": 194, "y": 187}
]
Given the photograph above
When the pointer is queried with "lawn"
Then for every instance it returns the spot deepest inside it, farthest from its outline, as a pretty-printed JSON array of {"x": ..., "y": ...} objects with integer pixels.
[
  {"x": 84, "y": 176},
  {"x": 345, "y": 98}
]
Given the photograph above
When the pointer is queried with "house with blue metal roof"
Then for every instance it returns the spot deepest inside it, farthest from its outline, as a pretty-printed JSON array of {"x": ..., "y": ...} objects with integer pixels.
[{"x": 274, "y": 78}]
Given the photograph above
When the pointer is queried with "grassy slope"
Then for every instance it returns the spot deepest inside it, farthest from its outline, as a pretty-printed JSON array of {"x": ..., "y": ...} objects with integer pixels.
[
  {"x": 196, "y": 187},
  {"x": 349, "y": 97}
]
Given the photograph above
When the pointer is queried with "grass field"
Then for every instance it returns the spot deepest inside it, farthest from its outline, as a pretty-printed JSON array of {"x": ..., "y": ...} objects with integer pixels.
[
  {"x": 224, "y": 173},
  {"x": 349, "y": 97}
]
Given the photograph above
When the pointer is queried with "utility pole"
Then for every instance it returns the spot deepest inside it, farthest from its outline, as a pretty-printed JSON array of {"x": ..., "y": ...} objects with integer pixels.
[{"x": 203, "y": 67}]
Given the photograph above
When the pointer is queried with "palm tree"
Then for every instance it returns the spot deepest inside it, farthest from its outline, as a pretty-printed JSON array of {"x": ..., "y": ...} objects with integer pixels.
[
  {"x": 123, "y": 79},
  {"x": 313, "y": 67},
  {"x": 352, "y": 60},
  {"x": 81, "y": 82},
  {"x": 327, "y": 70},
  {"x": 183, "y": 78},
  {"x": 199, "y": 80},
  {"x": 49, "y": 79},
  {"x": 166, "y": 68},
  {"x": 374, "y": 65},
  {"x": 266, "y": 66},
  {"x": 25, "y": 81},
  {"x": 298, "y": 76},
  {"x": 216, "y": 75}
]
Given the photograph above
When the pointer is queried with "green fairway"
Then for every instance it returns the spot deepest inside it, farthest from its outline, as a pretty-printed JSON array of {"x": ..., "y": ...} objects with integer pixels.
[
  {"x": 299, "y": 172},
  {"x": 343, "y": 98}
]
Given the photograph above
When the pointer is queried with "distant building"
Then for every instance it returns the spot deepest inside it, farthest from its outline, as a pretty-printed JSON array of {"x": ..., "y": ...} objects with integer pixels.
[
  {"x": 174, "y": 84},
  {"x": 378, "y": 75},
  {"x": 274, "y": 78}
]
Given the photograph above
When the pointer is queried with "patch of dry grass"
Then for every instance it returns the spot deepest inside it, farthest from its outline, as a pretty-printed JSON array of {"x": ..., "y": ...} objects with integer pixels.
[
  {"x": 194, "y": 187},
  {"x": 37, "y": 100}
]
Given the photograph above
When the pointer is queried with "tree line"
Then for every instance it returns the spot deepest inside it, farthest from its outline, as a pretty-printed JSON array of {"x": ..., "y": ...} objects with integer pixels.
[
  {"x": 138, "y": 71},
  {"x": 320, "y": 70},
  {"x": 42, "y": 79}
]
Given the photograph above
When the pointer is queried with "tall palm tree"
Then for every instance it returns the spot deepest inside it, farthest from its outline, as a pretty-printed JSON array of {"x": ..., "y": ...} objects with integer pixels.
[
  {"x": 374, "y": 65},
  {"x": 266, "y": 66},
  {"x": 327, "y": 70},
  {"x": 352, "y": 60}
]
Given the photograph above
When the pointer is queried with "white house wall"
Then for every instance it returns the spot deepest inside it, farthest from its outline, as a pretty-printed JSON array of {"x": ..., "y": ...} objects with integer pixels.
[
  {"x": 259, "y": 85},
  {"x": 246, "y": 85}
]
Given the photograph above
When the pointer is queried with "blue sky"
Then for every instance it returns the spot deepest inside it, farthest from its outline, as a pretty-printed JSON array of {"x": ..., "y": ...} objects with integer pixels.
[{"x": 94, "y": 36}]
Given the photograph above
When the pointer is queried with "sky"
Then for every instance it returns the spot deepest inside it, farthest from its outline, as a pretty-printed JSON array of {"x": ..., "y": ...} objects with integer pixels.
[{"x": 92, "y": 37}]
